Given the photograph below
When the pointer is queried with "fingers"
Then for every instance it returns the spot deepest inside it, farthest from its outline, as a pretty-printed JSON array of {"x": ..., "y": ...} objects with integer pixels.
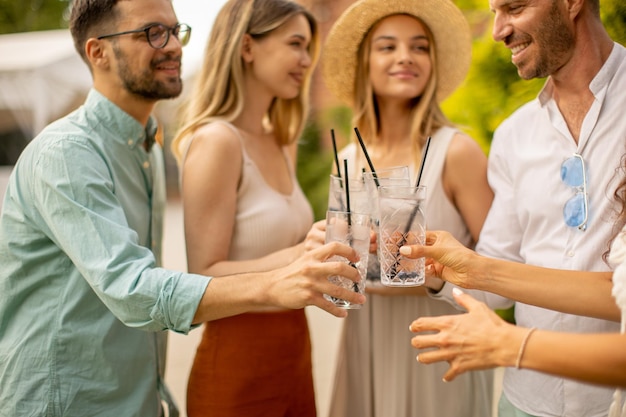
[
  {"x": 373, "y": 243},
  {"x": 438, "y": 352},
  {"x": 316, "y": 236},
  {"x": 417, "y": 251},
  {"x": 310, "y": 278},
  {"x": 465, "y": 300},
  {"x": 330, "y": 307},
  {"x": 349, "y": 295},
  {"x": 431, "y": 248},
  {"x": 338, "y": 268},
  {"x": 458, "y": 364},
  {"x": 342, "y": 269},
  {"x": 331, "y": 249},
  {"x": 428, "y": 324}
]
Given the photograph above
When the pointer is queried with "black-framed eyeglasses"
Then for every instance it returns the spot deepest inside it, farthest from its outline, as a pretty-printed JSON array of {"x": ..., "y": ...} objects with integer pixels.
[
  {"x": 158, "y": 35},
  {"x": 575, "y": 210}
]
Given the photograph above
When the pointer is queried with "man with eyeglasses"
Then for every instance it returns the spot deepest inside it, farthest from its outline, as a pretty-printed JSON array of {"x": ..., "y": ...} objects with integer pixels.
[
  {"x": 553, "y": 166},
  {"x": 83, "y": 301}
]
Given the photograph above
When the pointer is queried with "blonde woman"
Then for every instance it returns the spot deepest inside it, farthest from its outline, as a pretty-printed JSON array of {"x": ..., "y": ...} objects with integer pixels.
[
  {"x": 394, "y": 62},
  {"x": 243, "y": 208}
]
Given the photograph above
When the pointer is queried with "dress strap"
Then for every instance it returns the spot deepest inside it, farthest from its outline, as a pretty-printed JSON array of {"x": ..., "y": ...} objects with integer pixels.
[{"x": 191, "y": 139}]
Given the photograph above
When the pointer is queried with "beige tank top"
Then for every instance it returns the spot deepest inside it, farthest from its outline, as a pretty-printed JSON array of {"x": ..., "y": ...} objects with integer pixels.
[
  {"x": 266, "y": 220},
  {"x": 440, "y": 213}
]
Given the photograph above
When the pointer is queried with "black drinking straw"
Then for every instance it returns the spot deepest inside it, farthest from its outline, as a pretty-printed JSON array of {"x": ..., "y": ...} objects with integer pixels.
[
  {"x": 414, "y": 211},
  {"x": 355, "y": 286},
  {"x": 367, "y": 157},
  {"x": 419, "y": 177},
  {"x": 417, "y": 184},
  {"x": 332, "y": 135},
  {"x": 345, "y": 170}
]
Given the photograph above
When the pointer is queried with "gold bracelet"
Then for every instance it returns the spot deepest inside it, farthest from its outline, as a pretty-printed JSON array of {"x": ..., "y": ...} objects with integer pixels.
[{"x": 523, "y": 347}]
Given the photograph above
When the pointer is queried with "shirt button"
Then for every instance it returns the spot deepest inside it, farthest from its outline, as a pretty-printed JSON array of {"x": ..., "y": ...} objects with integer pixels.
[
  {"x": 570, "y": 253},
  {"x": 130, "y": 142},
  {"x": 146, "y": 164}
]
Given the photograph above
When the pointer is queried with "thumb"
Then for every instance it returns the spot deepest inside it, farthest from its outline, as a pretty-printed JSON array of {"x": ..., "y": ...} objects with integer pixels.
[
  {"x": 464, "y": 300},
  {"x": 413, "y": 251}
]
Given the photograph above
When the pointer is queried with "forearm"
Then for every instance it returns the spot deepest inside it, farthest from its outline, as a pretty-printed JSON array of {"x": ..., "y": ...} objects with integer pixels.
[
  {"x": 594, "y": 358},
  {"x": 266, "y": 263},
  {"x": 481, "y": 340},
  {"x": 297, "y": 285},
  {"x": 573, "y": 292},
  {"x": 230, "y": 295}
]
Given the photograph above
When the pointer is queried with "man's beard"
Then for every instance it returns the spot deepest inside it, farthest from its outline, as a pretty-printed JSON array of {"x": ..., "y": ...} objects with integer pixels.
[
  {"x": 143, "y": 84},
  {"x": 555, "y": 40}
]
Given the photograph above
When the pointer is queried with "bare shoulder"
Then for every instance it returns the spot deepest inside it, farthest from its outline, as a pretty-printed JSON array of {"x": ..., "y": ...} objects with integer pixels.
[
  {"x": 215, "y": 150},
  {"x": 463, "y": 149},
  {"x": 216, "y": 138}
]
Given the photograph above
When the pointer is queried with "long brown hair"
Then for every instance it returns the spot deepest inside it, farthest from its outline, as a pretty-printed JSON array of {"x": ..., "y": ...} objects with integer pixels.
[
  {"x": 427, "y": 115},
  {"x": 620, "y": 197},
  {"x": 217, "y": 93}
]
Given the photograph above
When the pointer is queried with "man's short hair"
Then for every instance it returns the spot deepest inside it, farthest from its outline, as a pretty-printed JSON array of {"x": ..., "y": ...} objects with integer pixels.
[{"x": 91, "y": 18}]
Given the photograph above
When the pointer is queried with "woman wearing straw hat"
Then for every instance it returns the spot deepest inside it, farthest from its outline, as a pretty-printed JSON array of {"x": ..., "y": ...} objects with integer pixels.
[
  {"x": 243, "y": 207},
  {"x": 394, "y": 61}
]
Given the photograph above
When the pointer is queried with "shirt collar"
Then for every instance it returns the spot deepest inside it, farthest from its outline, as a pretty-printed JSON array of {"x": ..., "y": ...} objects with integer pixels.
[
  {"x": 599, "y": 82},
  {"x": 124, "y": 127}
]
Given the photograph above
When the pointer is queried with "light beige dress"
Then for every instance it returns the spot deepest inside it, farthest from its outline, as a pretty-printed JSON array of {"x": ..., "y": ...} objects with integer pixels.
[{"x": 377, "y": 374}]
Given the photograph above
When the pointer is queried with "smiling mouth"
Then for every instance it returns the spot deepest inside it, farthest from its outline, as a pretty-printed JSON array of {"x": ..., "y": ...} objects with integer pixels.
[
  {"x": 519, "y": 48},
  {"x": 404, "y": 74}
]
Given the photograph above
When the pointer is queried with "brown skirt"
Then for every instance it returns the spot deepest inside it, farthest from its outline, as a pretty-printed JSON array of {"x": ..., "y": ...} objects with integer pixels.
[{"x": 253, "y": 364}]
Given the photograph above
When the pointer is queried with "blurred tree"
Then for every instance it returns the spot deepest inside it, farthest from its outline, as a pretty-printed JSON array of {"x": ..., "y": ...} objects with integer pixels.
[
  {"x": 614, "y": 17},
  {"x": 314, "y": 168},
  {"x": 32, "y": 15},
  {"x": 491, "y": 92}
]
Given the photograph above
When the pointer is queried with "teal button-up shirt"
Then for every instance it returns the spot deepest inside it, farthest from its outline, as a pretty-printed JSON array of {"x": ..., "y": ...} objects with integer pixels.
[{"x": 83, "y": 301}]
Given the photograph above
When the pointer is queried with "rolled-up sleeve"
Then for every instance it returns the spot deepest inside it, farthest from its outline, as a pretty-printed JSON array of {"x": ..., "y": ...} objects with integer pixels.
[{"x": 80, "y": 207}]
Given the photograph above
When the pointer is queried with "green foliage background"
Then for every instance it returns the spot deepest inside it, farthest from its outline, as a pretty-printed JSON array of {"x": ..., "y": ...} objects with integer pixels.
[
  {"x": 32, "y": 15},
  {"x": 491, "y": 92}
]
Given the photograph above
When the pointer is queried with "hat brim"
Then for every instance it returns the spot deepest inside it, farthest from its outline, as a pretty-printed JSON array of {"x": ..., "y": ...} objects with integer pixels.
[{"x": 450, "y": 29}]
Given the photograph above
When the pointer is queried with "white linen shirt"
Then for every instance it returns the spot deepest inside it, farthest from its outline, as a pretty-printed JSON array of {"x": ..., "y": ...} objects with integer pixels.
[{"x": 525, "y": 223}]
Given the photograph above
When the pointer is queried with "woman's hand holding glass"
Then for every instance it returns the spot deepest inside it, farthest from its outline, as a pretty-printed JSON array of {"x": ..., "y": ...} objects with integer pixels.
[{"x": 448, "y": 260}]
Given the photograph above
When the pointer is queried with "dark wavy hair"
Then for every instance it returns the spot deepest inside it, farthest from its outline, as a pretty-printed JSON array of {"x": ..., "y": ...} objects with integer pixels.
[{"x": 620, "y": 197}]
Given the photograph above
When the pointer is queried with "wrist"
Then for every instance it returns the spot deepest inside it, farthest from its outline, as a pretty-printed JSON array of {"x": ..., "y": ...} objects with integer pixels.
[
  {"x": 522, "y": 348},
  {"x": 480, "y": 268}
]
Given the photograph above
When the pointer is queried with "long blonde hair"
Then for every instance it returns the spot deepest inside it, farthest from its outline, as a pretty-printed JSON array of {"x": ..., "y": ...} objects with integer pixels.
[
  {"x": 218, "y": 95},
  {"x": 427, "y": 116}
]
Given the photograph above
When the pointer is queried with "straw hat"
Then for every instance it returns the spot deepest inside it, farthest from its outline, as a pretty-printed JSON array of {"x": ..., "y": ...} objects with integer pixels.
[{"x": 450, "y": 29}]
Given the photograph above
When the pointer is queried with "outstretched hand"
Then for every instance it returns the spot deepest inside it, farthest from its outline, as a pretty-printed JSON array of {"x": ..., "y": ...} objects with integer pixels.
[
  {"x": 305, "y": 281},
  {"x": 446, "y": 259},
  {"x": 478, "y": 339}
]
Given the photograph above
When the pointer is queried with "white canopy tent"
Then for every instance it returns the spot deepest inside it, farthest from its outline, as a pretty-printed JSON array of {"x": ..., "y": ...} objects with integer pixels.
[{"x": 43, "y": 78}]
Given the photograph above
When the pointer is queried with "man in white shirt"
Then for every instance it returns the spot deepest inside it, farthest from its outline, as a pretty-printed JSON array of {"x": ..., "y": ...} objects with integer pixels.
[{"x": 552, "y": 167}]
